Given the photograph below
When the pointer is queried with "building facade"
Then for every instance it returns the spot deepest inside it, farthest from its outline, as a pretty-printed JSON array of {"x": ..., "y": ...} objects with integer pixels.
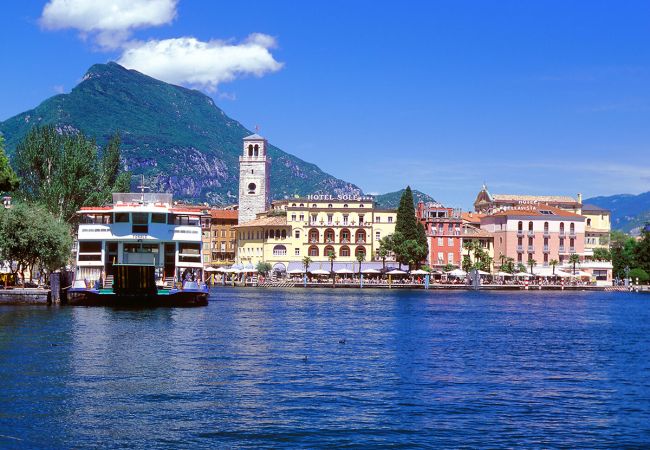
[
  {"x": 443, "y": 227},
  {"x": 316, "y": 226},
  {"x": 598, "y": 226},
  {"x": 488, "y": 203},
  {"x": 254, "y": 181},
  {"x": 220, "y": 238},
  {"x": 537, "y": 232}
]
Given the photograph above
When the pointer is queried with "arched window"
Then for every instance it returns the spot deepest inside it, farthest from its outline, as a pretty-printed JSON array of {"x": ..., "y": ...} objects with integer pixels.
[
  {"x": 572, "y": 228},
  {"x": 329, "y": 250},
  {"x": 361, "y": 205},
  {"x": 284, "y": 234},
  {"x": 588, "y": 222},
  {"x": 251, "y": 188},
  {"x": 277, "y": 234},
  {"x": 545, "y": 226},
  {"x": 360, "y": 236},
  {"x": 530, "y": 226},
  {"x": 344, "y": 236},
  {"x": 345, "y": 251},
  {"x": 293, "y": 204},
  {"x": 313, "y": 205},
  {"x": 271, "y": 234},
  {"x": 250, "y": 150},
  {"x": 279, "y": 250},
  {"x": 256, "y": 150},
  {"x": 329, "y": 206},
  {"x": 520, "y": 225},
  {"x": 313, "y": 251},
  {"x": 329, "y": 235},
  {"x": 360, "y": 251}
]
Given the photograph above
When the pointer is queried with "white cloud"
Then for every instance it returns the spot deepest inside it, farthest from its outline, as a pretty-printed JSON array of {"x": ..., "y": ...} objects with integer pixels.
[
  {"x": 109, "y": 22},
  {"x": 186, "y": 60}
]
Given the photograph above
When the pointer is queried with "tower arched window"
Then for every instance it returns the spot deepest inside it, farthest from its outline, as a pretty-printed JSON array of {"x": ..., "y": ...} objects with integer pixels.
[
  {"x": 256, "y": 150},
  {"x": 251, "y": 188},
  {"x": 250, "y": 150}
]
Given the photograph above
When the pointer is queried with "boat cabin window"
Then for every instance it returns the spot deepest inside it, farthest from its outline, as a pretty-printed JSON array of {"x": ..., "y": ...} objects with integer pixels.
[
  {"x": 121, "y": 217},
  {"x": 158, "y": 218},
  {"x": 97, "y": 218},
  {"x": 189, "y": 252},
  {"x": 90, "y": 251},
  {"x": 140, "y": 223},
  {"x": 186, "y": 220}
]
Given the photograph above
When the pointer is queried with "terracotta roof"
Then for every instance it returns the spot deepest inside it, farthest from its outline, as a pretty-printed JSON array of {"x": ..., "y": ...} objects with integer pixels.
[
  {"x": 534, "y": 210},
  {"x": 224, "y": 214},
  {"x": 471, "y": 231},
  {"x": 254, "y": 137},
  {"x": 534, "y": 198},
  {"x": 593, "y": 208},
  {"x": 472, "y": 217},
  {"x": 272, "y": 221}
]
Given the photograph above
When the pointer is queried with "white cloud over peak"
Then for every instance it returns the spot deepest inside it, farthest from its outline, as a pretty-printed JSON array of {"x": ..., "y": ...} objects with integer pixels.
[
  {"x": 110, "y": 22},
  {"x": 189, "y": 61}
]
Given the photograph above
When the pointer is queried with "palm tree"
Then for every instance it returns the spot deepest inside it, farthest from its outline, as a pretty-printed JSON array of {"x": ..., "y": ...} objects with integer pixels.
[
  {"x": 331, "y": 256},
  {"x": 574, "y": 259},
  {"x": 521, "y": 267},
  {"x": 360, "y": 257},
  {"x": 306, "y": 261},
  {"x": 553, "y": 263},
  {"x": 532, "y": 263},
  {"x": 382, "y": 252}
]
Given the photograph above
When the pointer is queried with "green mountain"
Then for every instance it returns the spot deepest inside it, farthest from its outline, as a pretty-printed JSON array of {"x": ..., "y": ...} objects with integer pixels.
[
  {"x": 177, "y": 137},
  {"x": 629, "y": 212},
  {"x": 391, "y": 199}
]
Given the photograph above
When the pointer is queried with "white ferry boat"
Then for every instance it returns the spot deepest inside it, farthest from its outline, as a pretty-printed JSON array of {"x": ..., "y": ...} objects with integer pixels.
[{"x": 140, "y": 250}]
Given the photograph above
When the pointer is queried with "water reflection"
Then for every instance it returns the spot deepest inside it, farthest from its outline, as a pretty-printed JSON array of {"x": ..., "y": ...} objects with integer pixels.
[{"x": 331, "y": 368}]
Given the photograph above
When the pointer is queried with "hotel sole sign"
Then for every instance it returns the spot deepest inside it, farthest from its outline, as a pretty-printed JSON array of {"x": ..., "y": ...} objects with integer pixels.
[{"x": 343, "y": 197}]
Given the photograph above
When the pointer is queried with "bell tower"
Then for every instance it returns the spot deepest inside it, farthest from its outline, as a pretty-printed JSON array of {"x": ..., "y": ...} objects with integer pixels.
[{"x": 254, "y": 169}]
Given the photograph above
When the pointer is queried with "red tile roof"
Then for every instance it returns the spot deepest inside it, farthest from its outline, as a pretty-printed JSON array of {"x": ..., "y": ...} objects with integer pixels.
[{"x": 224, "y": 214}]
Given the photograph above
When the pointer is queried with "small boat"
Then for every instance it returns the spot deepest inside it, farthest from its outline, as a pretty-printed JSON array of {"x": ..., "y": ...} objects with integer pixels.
[{"x": 141, "y": 250}]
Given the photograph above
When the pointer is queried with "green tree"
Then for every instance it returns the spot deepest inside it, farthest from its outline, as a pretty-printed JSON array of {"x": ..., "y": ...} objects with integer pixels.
[
  {"x": 8, "y": 179},
  {"x": 574, "y": 259},
  {"x": 639, "y": 273},
  {"x": 642, "y": 252},
  {"x": 263, "y": 267},
  {"x": 306, "y": 261},
  {"x": 467, "y": 263},
  {"x": 521, "y": 267},
  {"x": 553, "y": 263},
  {"x": 531, "y": 263},
  {"x": 331, "y": 256},
  {"x": 30, "y": 236},
  {"x": 508, "y": 266},
  {"x": 406, "y": 222},
  {"x": 448, "y": 267},
  {"x": 360, "y": 258},
  {"x": 622, "y": 250},
  {"x": 602, "y": 254},
  {"x": 382, "y": 252},
  {"x": 65, "y": 172}
]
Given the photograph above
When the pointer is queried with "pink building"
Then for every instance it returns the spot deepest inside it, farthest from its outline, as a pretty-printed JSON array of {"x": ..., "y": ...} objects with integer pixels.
[{"x": 540, "y": 232}]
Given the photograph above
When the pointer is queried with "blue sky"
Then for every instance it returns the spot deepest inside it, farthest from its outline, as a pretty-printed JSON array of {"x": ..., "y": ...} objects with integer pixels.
[{"x": 530, "y": 97}]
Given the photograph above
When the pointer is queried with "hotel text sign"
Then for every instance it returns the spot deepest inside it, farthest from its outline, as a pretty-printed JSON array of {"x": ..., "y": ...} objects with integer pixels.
[{"x": 339, "y": 197}]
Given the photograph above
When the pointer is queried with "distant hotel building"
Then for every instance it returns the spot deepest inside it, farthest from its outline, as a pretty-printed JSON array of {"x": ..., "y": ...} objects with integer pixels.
[{"x": 301, "y": 227}]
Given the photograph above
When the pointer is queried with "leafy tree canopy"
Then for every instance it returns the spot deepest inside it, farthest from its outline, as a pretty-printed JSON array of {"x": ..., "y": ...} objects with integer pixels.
[
  {"x": 8, "y": 179},
  {"x": 65, "y": 172}
]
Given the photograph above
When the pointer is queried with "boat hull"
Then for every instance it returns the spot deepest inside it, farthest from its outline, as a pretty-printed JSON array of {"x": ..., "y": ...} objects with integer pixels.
[{"x": 173, "y": 298}]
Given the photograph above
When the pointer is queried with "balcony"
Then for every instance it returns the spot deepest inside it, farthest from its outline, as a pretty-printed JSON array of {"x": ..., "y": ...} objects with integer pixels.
[
  {"x": 546, "y": 249},
  {"x": 562, "y": 233},
  {"x": 520, "y": 249},
  {"x": 547, "y": 233},
  {"x": 572, "y": 249},
  {"x": 572, "y": 234},
  {"x": 361, "y": 241},
  {"x": 561, "y": 249},
  {"x": 520, "y": 233},
  {"x": 531, "y": 249},
  {"x": 531, "y": 233}
]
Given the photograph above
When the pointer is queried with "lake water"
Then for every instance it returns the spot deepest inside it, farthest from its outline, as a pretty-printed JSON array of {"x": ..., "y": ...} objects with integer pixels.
[{"x": 324, "y": 368}]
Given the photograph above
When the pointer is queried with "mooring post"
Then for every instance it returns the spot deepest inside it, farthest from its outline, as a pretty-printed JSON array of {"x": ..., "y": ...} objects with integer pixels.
[{"x": 55, "y": 287}]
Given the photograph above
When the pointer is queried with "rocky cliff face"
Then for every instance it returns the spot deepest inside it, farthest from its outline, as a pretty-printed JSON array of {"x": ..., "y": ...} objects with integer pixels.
[{"x": 178, "y": 138}]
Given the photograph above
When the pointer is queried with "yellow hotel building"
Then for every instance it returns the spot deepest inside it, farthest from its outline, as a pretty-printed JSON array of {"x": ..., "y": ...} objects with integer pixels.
[{"x": 315, "y": 226}]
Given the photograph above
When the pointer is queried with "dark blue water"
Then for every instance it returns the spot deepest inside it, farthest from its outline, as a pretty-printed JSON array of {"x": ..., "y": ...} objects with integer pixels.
[{"x": 324, "y": 368}]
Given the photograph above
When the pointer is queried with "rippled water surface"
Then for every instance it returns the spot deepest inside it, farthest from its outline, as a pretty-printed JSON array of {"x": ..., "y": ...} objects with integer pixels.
[{"x": 324, "y": 368}]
